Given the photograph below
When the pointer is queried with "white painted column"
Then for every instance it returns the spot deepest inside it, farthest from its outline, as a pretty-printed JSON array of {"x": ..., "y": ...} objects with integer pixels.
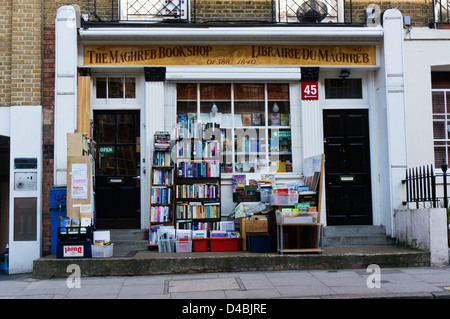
[
  {"x": 66, "y": 50},
  {"x": 312, "y": 122},
  {"x": 296, "y": 127},
  {"x": 312, "y": 133},
  {"x": 395, "y": 101},
  {"x": 152, "y": 121},
  {"x": 25, "y": 224}
]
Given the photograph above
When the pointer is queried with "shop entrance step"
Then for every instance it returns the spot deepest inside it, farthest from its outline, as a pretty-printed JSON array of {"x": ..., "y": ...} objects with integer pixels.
[
  {"x": 359, "y": 235},
  {"x": 126, "y": 240}
]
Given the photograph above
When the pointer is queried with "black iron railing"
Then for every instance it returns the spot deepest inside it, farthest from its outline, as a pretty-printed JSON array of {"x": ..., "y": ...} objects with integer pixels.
[
  {"x": 421, "y": 186},
  {"x": 204, "y": 11}
]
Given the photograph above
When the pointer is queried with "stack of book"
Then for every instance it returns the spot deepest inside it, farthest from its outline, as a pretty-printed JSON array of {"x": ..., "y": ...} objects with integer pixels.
[
  {"x": 162, "y": 141},
  {"x": 198, "y": 210},
  {"x": 198, "y": 191},
  {"x": 208, "y": 226},
  {"x": 189, "y": 127},
  {"x": 161, "y": 195},
  {"x": 203, "y": 169},
  {"x": 163, "y": 177},
  {"x": 160, "y": 214}
]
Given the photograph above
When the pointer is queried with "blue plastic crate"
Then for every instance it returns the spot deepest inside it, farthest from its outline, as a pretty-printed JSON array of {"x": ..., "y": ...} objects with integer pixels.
[{"x": 260, "y": 243}]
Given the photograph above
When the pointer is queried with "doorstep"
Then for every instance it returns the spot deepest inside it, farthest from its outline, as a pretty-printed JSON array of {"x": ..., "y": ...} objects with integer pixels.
[{"x": 145, "y": 263}]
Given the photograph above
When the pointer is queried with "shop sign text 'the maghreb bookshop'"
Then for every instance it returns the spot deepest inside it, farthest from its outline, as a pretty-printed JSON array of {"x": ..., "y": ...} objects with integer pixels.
[{"x": 229, "y": 55}]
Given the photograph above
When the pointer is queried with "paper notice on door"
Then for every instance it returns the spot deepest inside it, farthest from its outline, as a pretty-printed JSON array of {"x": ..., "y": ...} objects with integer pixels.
[{"x": 79, "y": 186}]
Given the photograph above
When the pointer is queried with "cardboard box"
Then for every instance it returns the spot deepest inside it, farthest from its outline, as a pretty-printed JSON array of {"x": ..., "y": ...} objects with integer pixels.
[{"x": 257, "y": 224}]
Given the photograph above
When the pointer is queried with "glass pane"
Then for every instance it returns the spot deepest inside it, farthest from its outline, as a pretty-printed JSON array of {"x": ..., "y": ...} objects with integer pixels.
[
  {"x": 186, "y": 91},
  {"x": 106, "y": 129},
  {"x": 185, "y": 107},
  {"x": 278, "y": 104},
  {"x": 130, "y": 88},
  {"x": 214, "y": 92},
  {"x": 249, "y": 106},
  {"x": 439, "y": 130},
  {"x": 250, "y": 150},
  {"x": 439, "y": 154},
  {"x": 115, "y": 88},
  {"x": 440, "y": 80},
  {"x": 126, "y": 160},
  {"x": 216, "y": 112},
  {"x": 438, "y": 102},
  {"x": 106, "y": 164},
  {"x": 280, "y": 150},
  {"x": 279, "y": 113},
  {"x": 215, "y": 104},
  {"x": 126, "y": 129},
  {"x": 343, "y": 89},
  {"x": 101, "y": 88},
  {"x": 226, "y": 152},
  {"x": 278, "y": 91},
  {"x": 249, "y": 91},
  {"x": 250, "y": 113}
]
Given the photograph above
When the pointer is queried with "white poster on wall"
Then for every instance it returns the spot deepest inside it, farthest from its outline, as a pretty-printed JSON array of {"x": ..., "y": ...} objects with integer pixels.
[{"x": 79, "y": 188}]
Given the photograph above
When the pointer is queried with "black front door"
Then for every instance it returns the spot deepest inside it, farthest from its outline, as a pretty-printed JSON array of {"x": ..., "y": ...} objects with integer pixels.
[
  {"x": 117, "y": 180},
  {"x": 347, "y": 167}
]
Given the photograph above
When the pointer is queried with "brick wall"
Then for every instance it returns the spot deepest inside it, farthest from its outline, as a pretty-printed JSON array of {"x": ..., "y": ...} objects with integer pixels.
[
  {"x": 5, "y": 52},
  {"x": 420, "y": 11},
  {"x": 233, "y": 10},
  {"x": 20, "y": 52},
  {"x": 26, "y": 59}
]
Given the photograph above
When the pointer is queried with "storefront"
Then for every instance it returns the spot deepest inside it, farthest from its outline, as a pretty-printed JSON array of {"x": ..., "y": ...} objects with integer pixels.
[{"x": 280, "y": 95}]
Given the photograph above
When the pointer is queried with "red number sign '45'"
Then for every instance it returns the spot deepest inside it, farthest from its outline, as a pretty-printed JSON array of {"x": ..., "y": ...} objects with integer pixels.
[{"x": 310, "y": 91}]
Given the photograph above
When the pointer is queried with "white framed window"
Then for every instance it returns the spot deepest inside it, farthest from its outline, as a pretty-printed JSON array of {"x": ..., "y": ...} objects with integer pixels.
[
  {"x": 440, "y": 94},
  {"x": 254, "y": 119},
  {"x": 350, "y": 92},
  {"x": 116, "y": 89}
]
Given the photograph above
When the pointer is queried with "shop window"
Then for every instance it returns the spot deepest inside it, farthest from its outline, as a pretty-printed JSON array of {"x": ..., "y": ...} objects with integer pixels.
[
  {"x": 115, "y": 87},
  {"x": 343, "y": 89},
  {"x": 441, "y": 116},
  {"x": 254, "y": 120}
]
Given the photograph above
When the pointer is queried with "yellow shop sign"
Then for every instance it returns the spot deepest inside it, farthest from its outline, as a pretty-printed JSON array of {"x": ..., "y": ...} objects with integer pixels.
[{"x": 229, "y": 55}]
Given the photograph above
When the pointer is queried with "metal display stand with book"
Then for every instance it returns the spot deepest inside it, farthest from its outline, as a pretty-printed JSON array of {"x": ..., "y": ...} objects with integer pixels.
[
  {"x": 162, "y": 177},
  {"x": 309, "y": 236}
]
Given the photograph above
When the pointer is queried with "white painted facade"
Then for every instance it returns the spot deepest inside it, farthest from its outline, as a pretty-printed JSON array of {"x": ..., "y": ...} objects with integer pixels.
[
  {"x": 382, "y": 86},
  {"x": 425, "y": 51}
]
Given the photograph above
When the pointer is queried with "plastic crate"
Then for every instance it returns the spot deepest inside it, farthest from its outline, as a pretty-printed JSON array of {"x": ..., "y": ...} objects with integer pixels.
[
  {"x": 72, "y": 235},
  {"x": 102, "y": 251},
  {"x": 184, "y": 246},
  {"x": 284, "y": 199},
  {"x": 225, "y": 244},
  {"x": 307, "y": 218},
  {"x": 67, "y": 251},
  {"x": 260, "y": 243},
  {"x": 200, "y": 244}
]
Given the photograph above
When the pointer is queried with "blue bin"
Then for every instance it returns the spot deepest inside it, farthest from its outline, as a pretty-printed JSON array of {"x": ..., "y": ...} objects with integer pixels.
[
  {"x": 260, "y": 243},
  {"x": 58, "y": 209}
]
